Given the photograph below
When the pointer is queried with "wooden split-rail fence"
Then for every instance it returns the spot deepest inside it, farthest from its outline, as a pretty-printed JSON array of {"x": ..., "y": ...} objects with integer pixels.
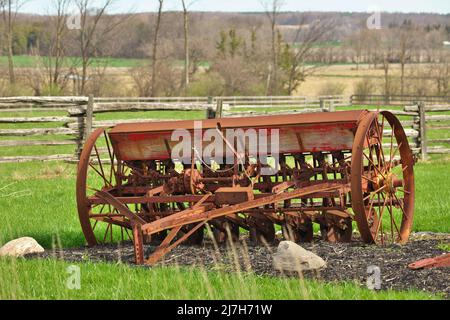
[{"x": 67, "y": 121}]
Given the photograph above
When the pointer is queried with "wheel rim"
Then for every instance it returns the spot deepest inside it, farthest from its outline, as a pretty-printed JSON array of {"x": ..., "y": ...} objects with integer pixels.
[
  {"x": 98, "y": 170},
  {"x": 382, "y": 180}
]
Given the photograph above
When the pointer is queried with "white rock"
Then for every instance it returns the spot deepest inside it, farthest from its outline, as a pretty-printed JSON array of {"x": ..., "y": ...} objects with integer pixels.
[
  {"x": 292, "y": 257},
  {"x": 20, "y": 247}
]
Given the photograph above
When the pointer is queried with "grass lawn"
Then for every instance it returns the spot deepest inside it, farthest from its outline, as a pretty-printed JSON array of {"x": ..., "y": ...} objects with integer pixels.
[{"x": 46, "y": 279}]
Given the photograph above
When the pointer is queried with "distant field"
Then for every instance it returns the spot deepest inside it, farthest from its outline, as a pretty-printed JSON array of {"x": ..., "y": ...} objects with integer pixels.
[
  {"x": 33, "y": 61},
  {"x": 346, "y": 74}
]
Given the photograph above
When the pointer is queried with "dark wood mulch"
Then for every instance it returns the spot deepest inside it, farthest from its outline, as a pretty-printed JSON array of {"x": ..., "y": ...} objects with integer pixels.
[{"x": 345, "y": 262}]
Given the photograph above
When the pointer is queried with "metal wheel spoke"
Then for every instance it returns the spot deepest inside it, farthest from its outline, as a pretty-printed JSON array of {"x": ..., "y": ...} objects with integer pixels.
[
  {"x": 368, "y": 179},
  {"x": 402, "y": 190},
  {"x": 400, "y": 205},
  {"x": 106, "y": 232},
  {"x": 100, "y": 174},
  {"x": 374, "y": 166},
  {"x": 380, "y": 146},
  {"x": 392, "y": 219},
  {"x": 380, "y": 218},
  {"x": 99, "y": 161},
  {"x": 128, "y": 234},
  {"x": 375, "y": 192},
  {"x": 391, "y": 211},
  {"x": 95, "y": 225},
  {"x": 111, "y": 153},
  {"x": 391, "y": 147},
  {"x": 393, "y": 155},
  {"x": 370, "y": 206}
]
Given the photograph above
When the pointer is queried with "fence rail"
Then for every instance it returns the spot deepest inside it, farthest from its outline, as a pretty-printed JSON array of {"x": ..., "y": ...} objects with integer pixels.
[
  {"x": 432, "y": 122},
  {"x": 397, "y": 100},
  {"x": 72, "y": 128}
]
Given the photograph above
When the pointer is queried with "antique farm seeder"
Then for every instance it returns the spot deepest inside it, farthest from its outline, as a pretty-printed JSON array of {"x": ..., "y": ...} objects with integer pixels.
[{"x": 330, "y": 169}]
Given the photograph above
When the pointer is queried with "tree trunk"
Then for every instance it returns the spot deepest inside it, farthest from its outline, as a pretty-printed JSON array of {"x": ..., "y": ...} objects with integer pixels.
[
  {"x": 273, "y": 87},
  {"x": 386, "y": 80},
  {"x": 186, "y": 45},
  {"x": 155, "y": 50},
  {"x": 402, "y": 78},
  {"x": 12, "y": 76},
  {"x": 84, "y": 76}
]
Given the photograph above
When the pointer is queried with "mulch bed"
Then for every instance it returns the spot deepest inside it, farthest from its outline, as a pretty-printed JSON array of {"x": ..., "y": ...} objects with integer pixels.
[{"x": 345, "y": 262}]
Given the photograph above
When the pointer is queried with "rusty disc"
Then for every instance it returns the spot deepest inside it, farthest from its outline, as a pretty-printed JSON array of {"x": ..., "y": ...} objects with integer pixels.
[
  {"x": 382, "y": 180},
  {"x": 261, "y": 229},
  {"x": 298, "y": 229},
  {"x": 336, "y": 231},
  {"x": 196, "y": 239},
  {"x": 222, "y": 229}
]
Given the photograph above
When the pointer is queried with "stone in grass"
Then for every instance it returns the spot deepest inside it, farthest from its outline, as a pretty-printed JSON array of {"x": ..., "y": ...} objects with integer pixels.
[
  {"x": 293, "y": 258},
  {"x": 20, "y": 247}
]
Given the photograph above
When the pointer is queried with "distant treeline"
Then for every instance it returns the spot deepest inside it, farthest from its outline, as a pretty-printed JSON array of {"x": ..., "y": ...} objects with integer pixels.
[
  {"x": 133, "y": 38},
  {"x": 269, "y": 53}
]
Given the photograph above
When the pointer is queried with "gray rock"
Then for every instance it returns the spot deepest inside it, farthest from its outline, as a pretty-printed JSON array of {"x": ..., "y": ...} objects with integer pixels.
[
  {"x": 292, "y": 257},
  {"x": 20, "y": 247}
]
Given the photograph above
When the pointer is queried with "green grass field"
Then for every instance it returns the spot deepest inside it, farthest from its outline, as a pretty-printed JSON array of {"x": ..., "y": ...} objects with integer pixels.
[
  {"x": 38, "y": 200},
  {"x": 33, "y": 62},
  {"x": 46, "y": 279}
]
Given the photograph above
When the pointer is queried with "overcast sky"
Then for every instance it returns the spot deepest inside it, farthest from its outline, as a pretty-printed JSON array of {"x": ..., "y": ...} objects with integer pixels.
[{"x": 438, "y": 6}]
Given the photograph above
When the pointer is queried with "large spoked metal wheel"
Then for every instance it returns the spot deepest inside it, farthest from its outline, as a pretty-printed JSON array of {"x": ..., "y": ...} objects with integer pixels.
[
  {"x": 382, "y": 180},
  {"x": 99, "y": 170}
]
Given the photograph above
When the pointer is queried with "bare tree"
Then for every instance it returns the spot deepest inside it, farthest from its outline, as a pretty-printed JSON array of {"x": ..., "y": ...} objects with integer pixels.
[
  {"x": 155, "y": 48},
  {"x": 272, "y": 8},
  {"x": 295, "y": 59},
  {"x": 9, "y": 9},
  {"x": 406, "y": 41},
  {"x": 439, "y": 73},
  {"x": 90, "y": 35},
  {"x": 55, "y": 60},
  {"x": 356, "y": 43},
  {"x": 186, "y": 5},
  {"x": 385, "y": 57}
]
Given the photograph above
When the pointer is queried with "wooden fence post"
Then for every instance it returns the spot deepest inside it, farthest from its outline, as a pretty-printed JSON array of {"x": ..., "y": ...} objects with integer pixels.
[
  {"x": 210, "y": 112},
  {"x": 89, "y": 117},
  {"x": 79, "y": 124},
  {"x": 219, "y": 108},
  {"x": 331, "y": 107},
  {"x": 423, "y": 131}
]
